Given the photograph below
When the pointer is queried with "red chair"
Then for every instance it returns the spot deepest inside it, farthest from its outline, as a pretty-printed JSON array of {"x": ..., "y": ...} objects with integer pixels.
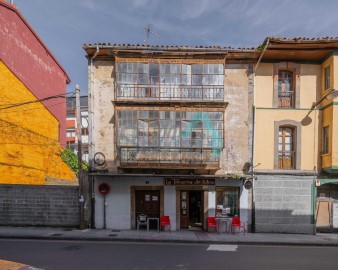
[
  {"x": 164, "y": 222},
  {"x": 237, "y": 224},
  {"x": 212, "y": 223}
]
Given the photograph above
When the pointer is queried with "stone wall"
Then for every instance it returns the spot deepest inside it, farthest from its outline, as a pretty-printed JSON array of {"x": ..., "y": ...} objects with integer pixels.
[
  {"x": 283, "y": 204},
  {"x": 25, "y": 205}
]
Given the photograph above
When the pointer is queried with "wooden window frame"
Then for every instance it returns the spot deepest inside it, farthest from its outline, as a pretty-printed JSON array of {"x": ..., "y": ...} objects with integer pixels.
[
  {"x": 297, "y": 128},
  {"x": 327, "y": 77},
  {"x": 295, "y": 69},
  {"x": 286, "y": 98},
  {"x": 326, "y": 140}
]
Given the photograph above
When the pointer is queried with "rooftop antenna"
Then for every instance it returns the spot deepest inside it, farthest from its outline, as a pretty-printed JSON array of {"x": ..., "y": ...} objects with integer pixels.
[{"x": 147, "y": 31}]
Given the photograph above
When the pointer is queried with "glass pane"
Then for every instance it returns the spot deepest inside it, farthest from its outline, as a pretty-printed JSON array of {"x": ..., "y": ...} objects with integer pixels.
[
  {"x": 197, "y": 69},
  {"x": 227, "y": 201}
]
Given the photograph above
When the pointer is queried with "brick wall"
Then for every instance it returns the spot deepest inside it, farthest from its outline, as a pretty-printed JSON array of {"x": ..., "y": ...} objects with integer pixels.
[{"x": 24, "y": 205}]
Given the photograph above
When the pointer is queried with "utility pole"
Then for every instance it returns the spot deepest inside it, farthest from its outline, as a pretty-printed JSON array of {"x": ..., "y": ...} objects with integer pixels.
[{"x": 79, "y": 156}]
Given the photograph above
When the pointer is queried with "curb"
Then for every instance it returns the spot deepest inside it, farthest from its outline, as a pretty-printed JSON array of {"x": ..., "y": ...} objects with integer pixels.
[{"x": 131, "y": 240}]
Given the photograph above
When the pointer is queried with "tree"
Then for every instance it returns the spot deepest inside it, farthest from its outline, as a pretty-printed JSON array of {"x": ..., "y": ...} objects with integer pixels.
[{"x": 71, "y": 159}]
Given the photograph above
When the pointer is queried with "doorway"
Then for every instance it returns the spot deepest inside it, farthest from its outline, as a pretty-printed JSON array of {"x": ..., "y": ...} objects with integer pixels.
[
  {"x": 191, "y": 210},
  {"x": 195, "y": 210},
  {"x": 147, "y": 202}
]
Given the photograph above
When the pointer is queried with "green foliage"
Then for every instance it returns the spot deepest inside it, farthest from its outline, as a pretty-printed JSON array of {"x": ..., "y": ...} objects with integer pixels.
[{"x": 69, "y": 157}]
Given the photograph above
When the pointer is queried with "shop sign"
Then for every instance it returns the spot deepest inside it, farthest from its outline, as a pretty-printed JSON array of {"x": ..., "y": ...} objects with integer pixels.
[{"x": 188, "y": 181}]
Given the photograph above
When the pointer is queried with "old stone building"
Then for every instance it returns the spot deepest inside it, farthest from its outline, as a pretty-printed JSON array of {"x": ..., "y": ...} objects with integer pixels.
[{"x": 170, "y": 133}]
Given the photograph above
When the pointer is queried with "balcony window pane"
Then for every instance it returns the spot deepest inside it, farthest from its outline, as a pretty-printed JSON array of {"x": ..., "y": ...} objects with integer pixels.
[{"x": 197, "y": 69}]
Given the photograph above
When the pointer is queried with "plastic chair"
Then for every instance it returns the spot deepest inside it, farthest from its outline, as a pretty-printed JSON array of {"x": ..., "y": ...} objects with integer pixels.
[
  {"x": 164, "y": 222},
  {"x": 212, "y": 223},
  {"x": 237, "y": 224},
  {"x": 141, "y": 220}
]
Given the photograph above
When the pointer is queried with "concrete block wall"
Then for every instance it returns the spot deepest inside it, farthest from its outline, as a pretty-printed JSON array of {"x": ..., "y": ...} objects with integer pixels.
[
  {"x": 283, "y": 204},
  {"x": 25, "y": 205}
]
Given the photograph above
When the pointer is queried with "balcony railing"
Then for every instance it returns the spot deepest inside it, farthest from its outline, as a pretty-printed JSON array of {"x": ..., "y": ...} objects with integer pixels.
[
  {"x": 150, "y": 157},
  {"x": 286, "y": 160},
  {"x": 170, "y": 92},
  {"x": 286, "y": 99}
]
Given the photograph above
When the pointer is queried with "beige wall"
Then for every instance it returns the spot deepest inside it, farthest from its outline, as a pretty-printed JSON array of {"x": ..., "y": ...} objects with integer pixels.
[
  {"x": 266, "y": 116},
  {"x": 101, "y": 97}
]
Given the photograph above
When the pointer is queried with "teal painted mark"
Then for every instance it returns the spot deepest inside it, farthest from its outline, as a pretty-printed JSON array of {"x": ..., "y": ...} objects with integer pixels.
[{"x": 213, "y": 134}]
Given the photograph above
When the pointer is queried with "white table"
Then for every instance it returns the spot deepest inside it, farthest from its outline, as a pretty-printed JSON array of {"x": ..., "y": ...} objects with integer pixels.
[
  {"x": 153, "y": 218},
  {"x": 227, "y": 221}
]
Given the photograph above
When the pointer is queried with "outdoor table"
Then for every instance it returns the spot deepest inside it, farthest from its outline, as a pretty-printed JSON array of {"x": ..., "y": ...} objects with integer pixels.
[{"x": 227, "y": 224}]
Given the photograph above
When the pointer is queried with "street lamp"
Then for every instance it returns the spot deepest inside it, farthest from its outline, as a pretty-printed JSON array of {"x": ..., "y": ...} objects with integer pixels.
[
  {"x": 333, "y": 93},
  {"x": 329, "y": 96}
]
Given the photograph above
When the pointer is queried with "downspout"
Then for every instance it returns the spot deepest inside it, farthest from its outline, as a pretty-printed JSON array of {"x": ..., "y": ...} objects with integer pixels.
[
  {"x": 90, "y": 135},
  {"x": 253, "y": 209}
]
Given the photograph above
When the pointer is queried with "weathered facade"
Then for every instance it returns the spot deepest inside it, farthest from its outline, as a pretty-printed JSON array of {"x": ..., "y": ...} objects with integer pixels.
[
  {"x": 170, "y": 133},
  {"x": 32, "y": 132}
]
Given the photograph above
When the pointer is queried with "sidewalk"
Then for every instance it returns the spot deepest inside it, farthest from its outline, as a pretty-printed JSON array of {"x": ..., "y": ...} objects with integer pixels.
[{"x": 183, "y": 236}]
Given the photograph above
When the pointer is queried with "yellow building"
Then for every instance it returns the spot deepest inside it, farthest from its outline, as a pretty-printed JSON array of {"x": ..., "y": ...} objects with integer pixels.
[
  {"x": 295, "y": 127},
  {"x": 31, "y": 130}
]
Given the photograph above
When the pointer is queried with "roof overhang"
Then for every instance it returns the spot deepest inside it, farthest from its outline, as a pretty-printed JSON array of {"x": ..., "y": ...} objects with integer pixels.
[{"x": 299, "y": 49}]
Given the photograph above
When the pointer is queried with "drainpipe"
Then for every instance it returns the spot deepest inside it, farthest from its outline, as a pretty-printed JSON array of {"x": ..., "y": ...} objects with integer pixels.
[
  {"x": 253, "y": 209},
  {"x": 90, "y": 135}
]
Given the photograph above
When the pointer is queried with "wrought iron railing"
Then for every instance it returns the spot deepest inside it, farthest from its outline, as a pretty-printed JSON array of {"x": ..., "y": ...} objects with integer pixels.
[
  {"x": 165, "y": 156},
  {"x": 286, "y": 99},
  {"x": 170, "y": 92},
  {"x": 286, "y": 160}
]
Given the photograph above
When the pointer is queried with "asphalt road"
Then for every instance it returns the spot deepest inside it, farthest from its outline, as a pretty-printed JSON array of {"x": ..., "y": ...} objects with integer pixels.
[{"x": 125, "y": 255}]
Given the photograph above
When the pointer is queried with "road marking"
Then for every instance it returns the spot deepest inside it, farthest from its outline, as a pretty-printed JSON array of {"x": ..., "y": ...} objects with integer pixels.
[{"x": 222, "y": 248}]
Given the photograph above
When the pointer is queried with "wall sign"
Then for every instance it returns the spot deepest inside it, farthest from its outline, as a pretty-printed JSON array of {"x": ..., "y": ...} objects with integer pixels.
[
  {"x": 104, "y": 189},
  {"x": 188, "y": 181},
  {"x": 248, "y": 184}
]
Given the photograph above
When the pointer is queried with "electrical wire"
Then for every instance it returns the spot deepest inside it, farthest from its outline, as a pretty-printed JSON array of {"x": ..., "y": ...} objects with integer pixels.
[{"x": 35, "y": 101}]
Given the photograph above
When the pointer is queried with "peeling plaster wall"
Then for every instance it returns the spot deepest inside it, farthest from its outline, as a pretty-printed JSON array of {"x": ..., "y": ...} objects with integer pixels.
[
  {"x": 237, "y": 116},
  {"x": 103, "y": 113}
]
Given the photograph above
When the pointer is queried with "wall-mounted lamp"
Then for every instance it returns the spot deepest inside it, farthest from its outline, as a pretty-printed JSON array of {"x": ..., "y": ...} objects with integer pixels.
[{"x": 330, "y": 95}]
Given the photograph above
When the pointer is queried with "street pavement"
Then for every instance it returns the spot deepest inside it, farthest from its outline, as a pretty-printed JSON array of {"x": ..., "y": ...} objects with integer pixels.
[{"x": 184, "y": 236}]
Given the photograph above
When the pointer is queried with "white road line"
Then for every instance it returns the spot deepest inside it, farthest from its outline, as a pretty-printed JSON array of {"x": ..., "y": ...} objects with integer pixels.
[{"x": 222, "y": 248}]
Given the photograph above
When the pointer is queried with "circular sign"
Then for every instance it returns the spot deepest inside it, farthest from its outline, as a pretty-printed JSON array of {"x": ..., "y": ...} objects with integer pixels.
[
  {"x": 99, "y": 159},
  {"x": 104, "y": 189},
  {"x": 248, "y": 184}
]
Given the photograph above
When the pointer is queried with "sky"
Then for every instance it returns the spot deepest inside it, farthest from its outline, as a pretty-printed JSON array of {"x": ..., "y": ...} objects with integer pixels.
[{"x": 65, "y": 25}]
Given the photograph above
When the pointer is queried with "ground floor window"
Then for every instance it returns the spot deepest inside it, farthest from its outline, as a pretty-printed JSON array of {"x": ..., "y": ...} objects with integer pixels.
[{"x": 227, "y": 201}]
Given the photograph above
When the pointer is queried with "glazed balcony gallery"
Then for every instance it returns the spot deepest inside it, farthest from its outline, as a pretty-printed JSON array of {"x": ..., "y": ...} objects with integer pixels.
[
  {"x": 170, "y": 81},
  {"x": 153, "y": 137}
]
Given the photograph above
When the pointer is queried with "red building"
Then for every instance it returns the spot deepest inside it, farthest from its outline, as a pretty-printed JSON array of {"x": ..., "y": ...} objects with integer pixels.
[{"x": 28, "y": 58}]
